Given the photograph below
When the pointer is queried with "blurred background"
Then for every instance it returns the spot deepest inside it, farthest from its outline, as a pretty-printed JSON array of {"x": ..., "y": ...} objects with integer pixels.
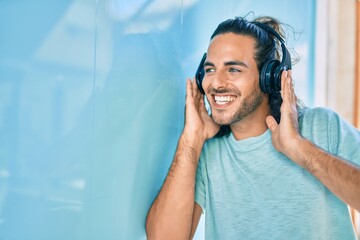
[{"x": 92, "y": 98}]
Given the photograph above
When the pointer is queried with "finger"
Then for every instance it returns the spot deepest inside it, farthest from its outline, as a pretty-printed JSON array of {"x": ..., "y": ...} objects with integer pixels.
[
  {"x": 196, "y": 92},
  {"x": 291, "y": 90},
  {"x": 283, "y": 77},
  {"x": 271, "y": 123},
  {"x": 195, "y": 89},
  {"x": 288, "y": 89},
  {"x": 189, "y": 91},
  {"x": 290, "y": 83},
  {"x": 202, "y": 105},
  {"x": 289, "y": 72}
]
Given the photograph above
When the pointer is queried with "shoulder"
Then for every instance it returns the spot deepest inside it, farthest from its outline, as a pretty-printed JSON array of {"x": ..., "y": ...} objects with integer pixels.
[
  {"x": 317, "y": 124},
  {"x": 317, "y": 114},
  {"x": 328, "y": 129},
  {"x": 319, "y": 118},
  {"x": 322, "y": 118}
]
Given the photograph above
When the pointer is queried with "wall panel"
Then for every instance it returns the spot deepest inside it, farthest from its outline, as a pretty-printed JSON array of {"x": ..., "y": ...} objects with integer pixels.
[{"x": 91, "y": 105}]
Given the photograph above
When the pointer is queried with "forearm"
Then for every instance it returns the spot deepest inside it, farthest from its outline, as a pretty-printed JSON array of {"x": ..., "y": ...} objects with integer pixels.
[
  {"x": 339, "y": 176},
  {"x": 170, "y": 216}
]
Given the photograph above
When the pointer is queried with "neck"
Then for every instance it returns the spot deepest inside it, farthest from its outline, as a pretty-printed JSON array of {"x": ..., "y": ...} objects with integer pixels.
[{"x": 253, "y": 125}]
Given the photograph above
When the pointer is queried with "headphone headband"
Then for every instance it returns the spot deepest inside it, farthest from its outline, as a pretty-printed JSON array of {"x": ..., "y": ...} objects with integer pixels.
[
  {"x": 270, "y": 73},
  {"x": 286, "y": 59}
]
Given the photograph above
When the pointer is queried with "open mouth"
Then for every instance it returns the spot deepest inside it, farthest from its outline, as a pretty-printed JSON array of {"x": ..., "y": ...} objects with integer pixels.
[{"x": 224, "y": 99}]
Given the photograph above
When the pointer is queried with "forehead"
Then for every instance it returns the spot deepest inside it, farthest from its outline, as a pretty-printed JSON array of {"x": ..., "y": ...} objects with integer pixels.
[{"x": 230, "y": 45}]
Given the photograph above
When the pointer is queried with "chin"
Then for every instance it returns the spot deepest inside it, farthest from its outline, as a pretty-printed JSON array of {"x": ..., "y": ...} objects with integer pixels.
[{"x": 221, "y": 120}]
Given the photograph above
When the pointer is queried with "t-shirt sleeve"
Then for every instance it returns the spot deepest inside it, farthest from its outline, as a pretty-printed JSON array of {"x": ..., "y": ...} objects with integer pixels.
[
  {"x": 344, "y": 139},
  {"x": 200, "y": 196}
]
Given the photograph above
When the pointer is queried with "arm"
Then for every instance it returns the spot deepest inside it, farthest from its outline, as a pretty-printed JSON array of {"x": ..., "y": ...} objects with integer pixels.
[
  {"x": 341, "y": 177},
  {"x": 172, "y": 213},
  {"x": 338, "y": 175}
]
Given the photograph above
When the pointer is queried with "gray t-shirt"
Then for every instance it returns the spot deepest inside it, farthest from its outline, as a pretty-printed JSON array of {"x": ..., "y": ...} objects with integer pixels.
[{"x": 248, "y": 190}]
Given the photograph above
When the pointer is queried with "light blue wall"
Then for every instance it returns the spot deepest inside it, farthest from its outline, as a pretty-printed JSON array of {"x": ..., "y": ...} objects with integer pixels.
[{"x": 91, "y": 106}]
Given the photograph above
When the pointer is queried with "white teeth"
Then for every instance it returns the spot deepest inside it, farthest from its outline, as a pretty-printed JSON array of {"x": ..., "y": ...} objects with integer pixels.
[{"x": 224, "y": 99}]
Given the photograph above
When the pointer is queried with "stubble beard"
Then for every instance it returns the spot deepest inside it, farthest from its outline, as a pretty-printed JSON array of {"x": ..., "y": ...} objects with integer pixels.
[{"x": 248, "y": 106}]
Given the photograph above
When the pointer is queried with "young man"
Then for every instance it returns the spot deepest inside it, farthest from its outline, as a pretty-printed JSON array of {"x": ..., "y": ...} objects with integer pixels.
[{"x": 278, "y": 173}]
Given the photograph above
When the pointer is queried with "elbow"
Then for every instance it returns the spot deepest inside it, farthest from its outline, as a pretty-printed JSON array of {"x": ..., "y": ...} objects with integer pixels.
[
  {"x": 150, "y": 228},
  {"x": 155, "y": 232},
  {"x": 151, "y": 233},
  {"x": 148, "y": 231}
]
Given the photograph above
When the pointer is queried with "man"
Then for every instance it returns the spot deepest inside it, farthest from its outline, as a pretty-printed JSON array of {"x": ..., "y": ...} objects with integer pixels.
[{"x": 289, "y": 175}]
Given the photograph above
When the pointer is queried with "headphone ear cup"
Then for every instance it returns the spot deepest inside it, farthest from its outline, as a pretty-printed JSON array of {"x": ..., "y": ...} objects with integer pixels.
[
  {"x": 268, "y": 76},
  {"x": 199, "y": 78},
  {"x": 200, "y": 73}
]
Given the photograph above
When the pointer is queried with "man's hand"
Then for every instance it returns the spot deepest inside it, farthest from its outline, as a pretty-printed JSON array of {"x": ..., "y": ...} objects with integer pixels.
[
  {"x": 338, "y": 175},
  {"x": 198, "y": 123},
  {"x": 286, "y": 134}
]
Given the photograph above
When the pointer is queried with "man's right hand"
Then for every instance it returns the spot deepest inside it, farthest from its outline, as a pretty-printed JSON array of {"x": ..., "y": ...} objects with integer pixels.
[{"x": 199, "y": 126}]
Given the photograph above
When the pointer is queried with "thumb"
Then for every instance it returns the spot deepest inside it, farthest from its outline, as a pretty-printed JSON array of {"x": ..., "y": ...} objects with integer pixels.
[{"x": 271, "y": 123}]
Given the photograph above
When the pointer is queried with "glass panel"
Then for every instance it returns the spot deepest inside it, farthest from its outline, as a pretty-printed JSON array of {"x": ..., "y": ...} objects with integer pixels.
[{"x": 91, "y": 106}]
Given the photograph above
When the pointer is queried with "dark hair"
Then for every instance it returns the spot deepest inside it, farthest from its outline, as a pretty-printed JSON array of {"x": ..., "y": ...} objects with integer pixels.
[{"x": 267, "y": 47}]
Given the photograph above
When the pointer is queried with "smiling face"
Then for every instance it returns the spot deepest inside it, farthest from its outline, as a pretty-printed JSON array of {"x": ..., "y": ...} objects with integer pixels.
[{"x": 231, "y": 81}]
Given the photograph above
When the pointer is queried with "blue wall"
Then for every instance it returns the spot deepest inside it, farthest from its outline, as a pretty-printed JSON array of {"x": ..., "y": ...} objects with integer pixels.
[{"x": 91, "y": 106}]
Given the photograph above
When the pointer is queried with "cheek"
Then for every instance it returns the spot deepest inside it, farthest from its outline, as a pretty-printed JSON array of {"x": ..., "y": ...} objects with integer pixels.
[
  {"x": 205, "y": 83},
  {"x": 244, "y": 86},
  {"x": 249, "y": 84}
]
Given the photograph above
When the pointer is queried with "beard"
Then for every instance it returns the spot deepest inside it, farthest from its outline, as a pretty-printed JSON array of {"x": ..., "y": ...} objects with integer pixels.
[{"x": 248, "y": 106}]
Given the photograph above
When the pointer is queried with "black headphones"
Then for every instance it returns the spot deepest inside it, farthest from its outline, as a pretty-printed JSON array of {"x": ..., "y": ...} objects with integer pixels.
[{"x": 270, "y": 73}]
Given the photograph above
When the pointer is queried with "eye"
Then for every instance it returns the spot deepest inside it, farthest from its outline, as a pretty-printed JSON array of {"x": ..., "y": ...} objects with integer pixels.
[
  {"x": 209, "y": 70},
  {"x": 234, "y": 70}
]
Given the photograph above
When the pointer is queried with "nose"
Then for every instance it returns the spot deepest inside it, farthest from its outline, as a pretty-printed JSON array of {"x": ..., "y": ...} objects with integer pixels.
[{"x": 216, "y": 80}]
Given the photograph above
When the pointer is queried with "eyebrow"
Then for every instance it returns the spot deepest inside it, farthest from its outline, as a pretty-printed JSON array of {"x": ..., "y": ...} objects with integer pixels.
[
  {"x": 239, "y": 63},
  {"x": 229, "y": 63}
]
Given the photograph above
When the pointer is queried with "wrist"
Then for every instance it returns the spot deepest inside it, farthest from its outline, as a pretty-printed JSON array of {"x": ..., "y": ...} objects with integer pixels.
[
  {"x": 191, "y": 146},
  {"x": 296, "y": 150},
  {"x": 304, "y": 152},
  {"x": 192, "y": 140}
]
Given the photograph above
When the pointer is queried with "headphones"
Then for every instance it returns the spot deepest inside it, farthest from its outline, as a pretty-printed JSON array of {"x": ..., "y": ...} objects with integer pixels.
[{"x": 270, "y": 73}]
